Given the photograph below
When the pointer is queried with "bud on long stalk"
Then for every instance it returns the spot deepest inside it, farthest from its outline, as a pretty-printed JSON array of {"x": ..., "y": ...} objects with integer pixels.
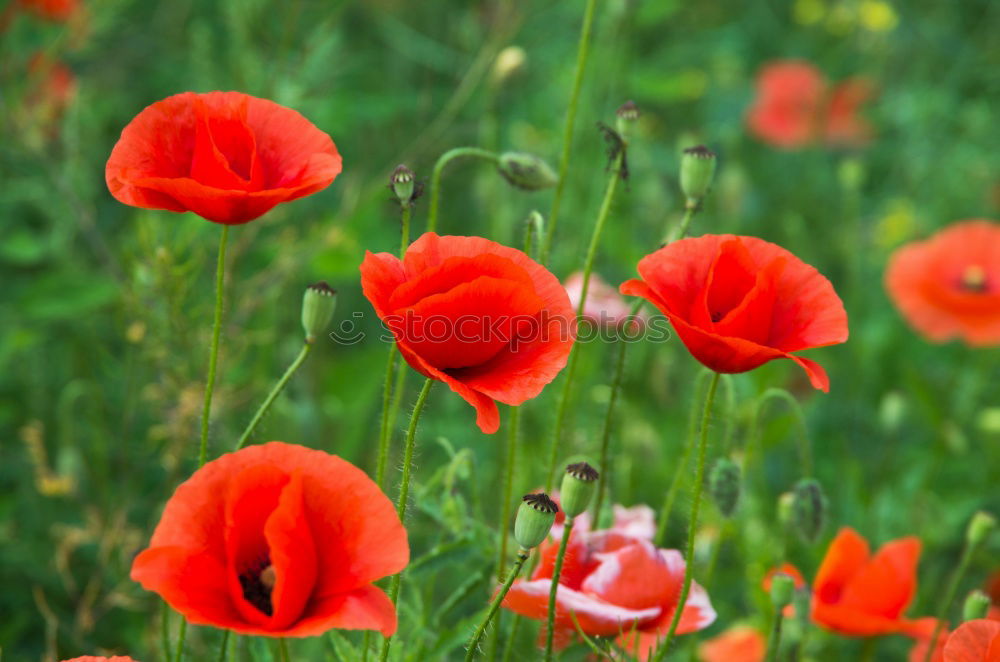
[
  {"x": 724, "y": 486},
  {"x": 318, "y": 305},
  {"x": 697, "y": 173},
  {"x": 808, "y": 509},
  {"x": 535, "y": 518},
  {"x": 577, "y": 488},
  {"x": 526, "y": 171}
]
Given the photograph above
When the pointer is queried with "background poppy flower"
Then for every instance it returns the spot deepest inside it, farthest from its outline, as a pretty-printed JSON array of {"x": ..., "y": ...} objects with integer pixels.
[
  {"x": 277, "y": 540},
  {"x": 52, "y": 89},
  {"x": 738, "y": 302},
  {"x": 485, "y": 319},
  {"x": 94, "y": 658},
  {"x": 795, "y": 107},
  {"x": 948, "y": 286},
  {"x": 613, "y": 582},
  {"x": 605, "y": 306},
  {"x": 53, "y": 10},
  {"x": 741, "y": 643},
  {"x": 860, "y": 594},
  {"x": 226, "y": 156},
  {"x": 974, "y": 641}
]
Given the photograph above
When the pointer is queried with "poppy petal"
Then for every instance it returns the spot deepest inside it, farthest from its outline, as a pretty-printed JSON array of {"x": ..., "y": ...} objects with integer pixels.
[
  {"x": 887, "y": 582},
  {"x": 845, "y": 557},
  {"x": 595, "y": 616},
  {"x": 365, "y": 608},
  {"x": 635, "y": 576}
]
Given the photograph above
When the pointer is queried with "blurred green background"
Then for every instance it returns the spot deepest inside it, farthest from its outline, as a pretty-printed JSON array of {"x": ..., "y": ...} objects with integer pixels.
[{"x": 107, "y": 309}]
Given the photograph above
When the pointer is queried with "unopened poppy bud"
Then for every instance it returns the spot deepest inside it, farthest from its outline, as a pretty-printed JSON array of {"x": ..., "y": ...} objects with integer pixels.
[
  {"x": 402, "y": 184},
  {"x": 808, "y": 509},
  {"x": 534, "y": 519},
  {"x": 724, "y": 486},
  {"x": 977, "y": 605},
  {"x": 526, "y": 171},
  {"x": 625, "y": 117},
  {"x": 697, "y": 172},
  {"x": 782, "y": 590},
  {"x": 578, "y": 486},
  {"x": 318, "y": 304},
  {"x": 980, "y": 527}
]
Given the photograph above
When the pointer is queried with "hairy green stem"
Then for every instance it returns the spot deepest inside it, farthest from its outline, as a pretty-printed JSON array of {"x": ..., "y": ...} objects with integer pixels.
[
  {"x": 682, "y": 230},
  {"x": 550, "y": 624},
  {"x": 384, "y": 427},
  {"x": 470, "y": 652},
  {"x": 213, "y": 355},
  {"x": 508, "y": 486},
  {"x": 447, "y": 157},
  {"x": 588, "y": 266},
  {"x": 693, "y": 523},
  {"x": 404, "y": 491},
  {"x": 273, "y": 395},
  {"x": 582, "y": 53}
]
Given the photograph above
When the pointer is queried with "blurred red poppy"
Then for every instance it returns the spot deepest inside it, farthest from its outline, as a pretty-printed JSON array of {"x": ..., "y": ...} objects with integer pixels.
[
  {"x": 277, "y": 540},
  {"x": 614, "y": 584},
  {"x": 738, "y": 302},
  {"x": 918, "y": 653},
  {"x": 94, "y": 658},
  {"x": 51, "y": 90},
  {"x": 605, "y": 306},
  {"x": 741, "y": 643},
  {"x": 485, "y": 319},
  {"x": 785, "y": 569},
  {"x": 948, "y": 286},
  {"x": 53, "y": 10},
  {"x": 795, "y": 107},
  {"x": 226, "y": 156},
  {"x": 863, "y": 595},
  {"x": 974, "y": 641}
]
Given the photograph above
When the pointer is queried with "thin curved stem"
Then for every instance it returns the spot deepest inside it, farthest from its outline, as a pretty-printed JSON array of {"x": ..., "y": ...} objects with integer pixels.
[
  {"x": 949, "y": 598},
  {"x": 805, "y": 451},
  {"x": 404, "y": 491},
  {"x": 165, "y": 632},
  {"x": 384, "y": 427},
  {"x": 213, "y": 355},
  {"x": 447, "y": 157},
  {"x": 470, "y": 652},
  {"x": 404, "y": 238},
  {"x": 511, "y": 637},
  {"x": 554, "y": 588},
  {"x": 582, "y": 53},
  {"x": 224, "y": 648},
  {"x": 508, "y": 487},
  {"x": 693, "y": 523},
  {"x": 682, "y": 229},
  {"x": 588, "y": 266},
  {"x": 181, "y": 635},
  {"x": 273, "y": 395}
]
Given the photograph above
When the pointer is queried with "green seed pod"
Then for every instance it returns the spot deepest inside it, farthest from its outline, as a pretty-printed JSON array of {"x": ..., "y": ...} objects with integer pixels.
[
  {"x": 980, "y": 527},
  {"x": 977, "y": 605},
  {"x": 534, "y": 519},
  {"x": 697, "y": 172},
  {"x": 318, "y": 304},
  {"x": 625, "y": 117},
  {"x": 578, "y": 486},
  {"x": 402, "y": 184},
  {"x": 782, "y": 590},
  {"x": 724, "y": 486},
  {"x": 526, "y": 171},
  {"x": 808, "y": 509}
]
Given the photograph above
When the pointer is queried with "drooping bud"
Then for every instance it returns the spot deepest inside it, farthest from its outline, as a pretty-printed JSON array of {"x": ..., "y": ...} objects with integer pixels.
[
  {"x": 724, "y": 485},
  {"x": 578, "y": 486},
  {"x": 980, "y": 527},
  {"x": 526, "y": 171},
  {"x": 808, "y": 509},
  {"x": 977, "y": 605},
  {"x": 535, "y": 517},
  {"x": 697, "y": 172},
  {"x": 403, "y": 186},
  {"x": 318, "y": 304},
  {"x": 625, "y": 117},
  {"x": 782, "y": 590}
]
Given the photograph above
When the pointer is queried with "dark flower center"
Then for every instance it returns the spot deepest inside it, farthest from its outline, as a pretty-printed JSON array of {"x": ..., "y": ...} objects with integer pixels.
[
  {"x": 974, "y": 279},
  {"x": 257, "y": 582}
]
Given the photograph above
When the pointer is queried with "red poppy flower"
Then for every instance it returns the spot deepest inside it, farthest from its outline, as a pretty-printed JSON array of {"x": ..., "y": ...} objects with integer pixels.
[
  {"x": 741, "y": 643},
  {"x": 53, "y": 87},
  {"x": 974, "y": 641},
  {"x": 860, "y": 594},
  {"x": 919, "y": 650},
  {"x": 605, "y": 306},
  {"x": 795, "y": 107},
  {"x": 738, "y": 302},
  {"x": 277, "y": 540},
  {"x": 94, "y": 658},
  {"x": 948, "y": 286},
  {"x": 485, "y": 319},
  {"x": 614, "y": 584},
  {"x": 53, "y": 10},
  {"x": 226, "y": 156}
]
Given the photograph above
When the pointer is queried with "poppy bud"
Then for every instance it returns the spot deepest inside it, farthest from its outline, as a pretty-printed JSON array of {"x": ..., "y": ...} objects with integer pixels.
[
  {"x": 578, "y": 485},
  {"x": 510, "y": 61},
  {"x": 526, "y": 171},
  {"x": 724, "y": 486},
  {"x": 697, "y": 171},
  {"x": 534, "y": 519},
  {"x": 786, "y": 509},
  {"x": 318, "y": 304},
  {"x": 977, "y": 605},
  {"x": 402, "y": 184},
  {"x": 980, "y": 527},
  {"x": 782, "y": 590},
  {"x": 625, "y": 116},
  {"x": 808, "y": 509}
]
